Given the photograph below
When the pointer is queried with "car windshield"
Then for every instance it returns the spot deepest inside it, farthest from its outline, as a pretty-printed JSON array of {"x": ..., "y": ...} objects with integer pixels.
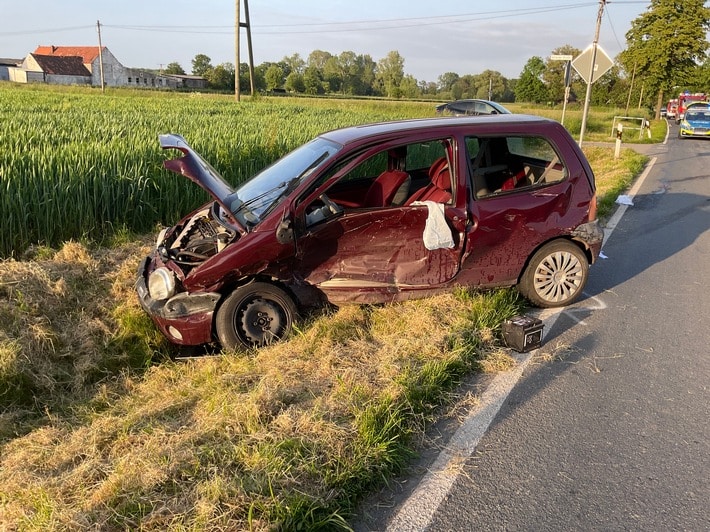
[
  {"x": 697, "y": 116},
  {"x": 263, "y": 192}
]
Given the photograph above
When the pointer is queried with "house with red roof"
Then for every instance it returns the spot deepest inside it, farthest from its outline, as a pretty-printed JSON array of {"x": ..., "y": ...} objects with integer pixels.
[
  {"x": 84, "y": 65},
  {"x": 57, "y": 70}
]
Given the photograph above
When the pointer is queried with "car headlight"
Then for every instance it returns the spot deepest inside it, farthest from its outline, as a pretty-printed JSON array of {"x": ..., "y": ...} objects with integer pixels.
[{"x": 161, "y": 284}]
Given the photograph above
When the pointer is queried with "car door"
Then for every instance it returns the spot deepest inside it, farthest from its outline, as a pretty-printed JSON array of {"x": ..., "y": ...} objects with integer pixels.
[{"x": 375, "y": 254}]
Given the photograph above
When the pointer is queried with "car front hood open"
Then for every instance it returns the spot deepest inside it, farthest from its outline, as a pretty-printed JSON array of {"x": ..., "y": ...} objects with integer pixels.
[{"x": 197, "y": 170}]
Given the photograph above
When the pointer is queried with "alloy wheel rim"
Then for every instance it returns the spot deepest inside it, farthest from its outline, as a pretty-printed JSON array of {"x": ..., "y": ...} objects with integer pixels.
[{"x": 558, "y": 277}]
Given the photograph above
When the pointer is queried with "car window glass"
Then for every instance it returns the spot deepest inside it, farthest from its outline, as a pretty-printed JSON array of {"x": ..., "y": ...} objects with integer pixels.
[
  {"x": 396, "y": 176},
  {"x": 499, "y": 165}
]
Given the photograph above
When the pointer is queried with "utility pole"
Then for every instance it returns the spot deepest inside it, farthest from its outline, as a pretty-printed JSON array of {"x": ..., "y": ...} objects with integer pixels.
[
  {"x": 251, "y": 55},
  {"x": 631, "y": 88},
  {"x": 236, "y": 51},
  {"x": 101, "y": 56},
  {"x": 237, "y": 26},
  {"x": 588, "y": 96}
]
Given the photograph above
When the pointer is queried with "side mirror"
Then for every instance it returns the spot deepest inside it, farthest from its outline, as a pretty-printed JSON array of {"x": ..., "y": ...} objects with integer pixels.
[{"x": 284, "y": 232}]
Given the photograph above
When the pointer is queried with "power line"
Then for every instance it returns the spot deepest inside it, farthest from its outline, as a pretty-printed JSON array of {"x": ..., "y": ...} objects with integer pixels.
[
  {"x": 47, "y": 30},
  {"x": 333, "y": 26},
  {"x": 336, "y": 26},
  {"x": 411, "y": 21}
]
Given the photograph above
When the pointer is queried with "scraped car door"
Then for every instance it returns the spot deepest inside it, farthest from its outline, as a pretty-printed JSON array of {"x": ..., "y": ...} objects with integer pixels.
[{"x": 370, "y": 253}]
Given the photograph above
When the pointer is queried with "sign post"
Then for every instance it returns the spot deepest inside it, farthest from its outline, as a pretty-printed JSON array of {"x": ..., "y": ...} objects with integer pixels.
[
  {"x": 592, "y": 72},
  {"x": 568, "y": 78}
]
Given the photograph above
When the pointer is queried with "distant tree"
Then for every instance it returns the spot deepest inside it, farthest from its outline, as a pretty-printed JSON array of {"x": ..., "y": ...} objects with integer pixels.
[
  {"x": 318, "y": 58},
  {"x": 447, "y": 80},
  {"x": 244, "y": 84},
  {"x": 530, "y": 87},
  {"x": 463, "y": 88},
  {"x": 312, "y": 81},
  {"x": 294, "y": 82},
  {"x": 390, "y": 72},
  {"x": 332, "y": 74},
  {"x": 293, "y": 64},
  {"x": 490, "y": 84},
  {"x": 611, "y": 89},
  {"x": 428, "y": 87},
  {"x": 274, "y": 77},
  {"x": 365, "y": 82},
  {"x": 201, "y": 65},
  {"x": 554, "y": 74},
  {"x": 666, "y": 43},
  {"x": 174, "y": 68},
  {"x": 349, "y": 72},
  {"x": 703, "y": 76},
  {"x": 408, "y": 87},
  {"x": 221, "y": 77}
]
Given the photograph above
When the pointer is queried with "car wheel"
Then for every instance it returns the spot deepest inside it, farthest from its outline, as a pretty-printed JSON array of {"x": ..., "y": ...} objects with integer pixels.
[
  {"x": 556, "y": 275},
  {"x": 254, "y": 315}
]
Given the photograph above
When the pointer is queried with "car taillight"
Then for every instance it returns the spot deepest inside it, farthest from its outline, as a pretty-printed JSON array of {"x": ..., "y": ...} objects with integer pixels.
[{"x": 593, "y": 208}]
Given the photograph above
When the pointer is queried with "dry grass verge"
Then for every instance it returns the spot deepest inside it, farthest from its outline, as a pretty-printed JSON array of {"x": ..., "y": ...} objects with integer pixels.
[{"x": 95, "y": 434}]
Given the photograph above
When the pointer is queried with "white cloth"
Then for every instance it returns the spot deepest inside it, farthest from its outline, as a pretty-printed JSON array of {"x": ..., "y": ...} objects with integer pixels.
[{"x": 437, "y": 233}]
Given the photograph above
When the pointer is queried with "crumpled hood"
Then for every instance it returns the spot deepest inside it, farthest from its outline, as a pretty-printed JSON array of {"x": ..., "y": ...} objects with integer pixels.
[{"x": 196, "y": 169}]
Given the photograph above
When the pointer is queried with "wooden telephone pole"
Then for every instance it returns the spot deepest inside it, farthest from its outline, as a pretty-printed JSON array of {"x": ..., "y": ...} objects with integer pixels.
[
  {"x": 101, "y": 56},
  {"x": 237, "y": 27}
]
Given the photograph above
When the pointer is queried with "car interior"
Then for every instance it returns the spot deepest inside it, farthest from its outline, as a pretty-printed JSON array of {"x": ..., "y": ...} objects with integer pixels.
[
  {"x": 496, "y": 168},
  {"x": 394, "y": 177}
]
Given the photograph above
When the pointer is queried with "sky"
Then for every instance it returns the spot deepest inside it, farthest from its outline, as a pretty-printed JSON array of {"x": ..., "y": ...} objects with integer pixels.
[{"x": 433, "y": 37}]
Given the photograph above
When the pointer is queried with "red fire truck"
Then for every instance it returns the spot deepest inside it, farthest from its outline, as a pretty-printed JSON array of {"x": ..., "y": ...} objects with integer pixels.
[{"x": 684, "y": 99}]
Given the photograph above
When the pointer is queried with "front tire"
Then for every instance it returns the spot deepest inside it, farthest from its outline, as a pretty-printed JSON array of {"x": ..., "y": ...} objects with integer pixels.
[
  {"x": 255, "y": 315},
  {"x": 556, "y": 275}
]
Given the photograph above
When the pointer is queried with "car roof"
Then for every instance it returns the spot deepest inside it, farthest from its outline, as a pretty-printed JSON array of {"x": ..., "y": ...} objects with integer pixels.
[{"x": 358, "y": 133}]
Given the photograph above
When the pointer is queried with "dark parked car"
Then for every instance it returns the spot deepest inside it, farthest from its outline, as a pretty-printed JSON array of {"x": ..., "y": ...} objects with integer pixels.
[
  {"x": 472, "y": 108},
  {"x": 373, "y": 214}
]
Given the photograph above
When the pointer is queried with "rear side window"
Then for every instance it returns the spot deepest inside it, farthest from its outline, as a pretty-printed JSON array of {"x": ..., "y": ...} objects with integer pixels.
[{"x": 501, "y": 165}]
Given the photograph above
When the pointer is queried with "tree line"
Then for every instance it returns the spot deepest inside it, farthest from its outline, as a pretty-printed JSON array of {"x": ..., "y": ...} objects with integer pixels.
[{"x": 665, "y": 54}]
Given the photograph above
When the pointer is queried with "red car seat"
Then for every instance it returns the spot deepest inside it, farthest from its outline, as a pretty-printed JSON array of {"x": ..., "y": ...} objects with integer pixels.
[{"x": 439, "y": 190}]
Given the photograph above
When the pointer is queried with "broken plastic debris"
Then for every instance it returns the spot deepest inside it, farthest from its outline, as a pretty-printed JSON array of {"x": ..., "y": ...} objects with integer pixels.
[{"x": 624, "y": 200}]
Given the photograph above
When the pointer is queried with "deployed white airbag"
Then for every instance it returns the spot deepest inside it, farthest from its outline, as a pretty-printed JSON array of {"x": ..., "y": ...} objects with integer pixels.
[{"x": 437, "y": 233}]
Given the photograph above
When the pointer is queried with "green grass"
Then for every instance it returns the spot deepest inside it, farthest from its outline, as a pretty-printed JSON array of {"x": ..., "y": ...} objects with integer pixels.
[
  {"x": 78, "y": 164},
  {"x": 100, "y": 428}
]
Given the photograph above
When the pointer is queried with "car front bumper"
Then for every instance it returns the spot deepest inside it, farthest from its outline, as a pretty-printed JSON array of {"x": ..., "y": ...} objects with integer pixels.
[
  {"x": 185, "y": 318},
  {"x": 700, "y": 132}
]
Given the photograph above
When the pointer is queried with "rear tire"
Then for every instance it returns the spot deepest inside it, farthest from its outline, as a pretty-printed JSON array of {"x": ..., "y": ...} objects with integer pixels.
[
  {"x": 255, "y": 315},
  {"x": 555, "y": 275}
]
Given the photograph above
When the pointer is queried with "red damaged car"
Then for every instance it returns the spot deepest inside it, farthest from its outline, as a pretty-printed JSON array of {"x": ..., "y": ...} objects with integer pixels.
[{"x": 372, "y": 214}]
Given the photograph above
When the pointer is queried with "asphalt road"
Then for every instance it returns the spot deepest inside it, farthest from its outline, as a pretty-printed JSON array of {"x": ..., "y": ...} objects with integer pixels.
[{"x": 609, "y": 426}]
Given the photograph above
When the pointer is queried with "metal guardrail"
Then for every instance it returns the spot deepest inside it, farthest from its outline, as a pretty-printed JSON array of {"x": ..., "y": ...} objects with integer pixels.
[{"x": 623, "y": 120}]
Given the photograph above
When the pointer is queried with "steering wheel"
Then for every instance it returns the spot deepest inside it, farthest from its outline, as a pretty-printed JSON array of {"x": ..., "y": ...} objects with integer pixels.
[{"x": 332, "y": 206}]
